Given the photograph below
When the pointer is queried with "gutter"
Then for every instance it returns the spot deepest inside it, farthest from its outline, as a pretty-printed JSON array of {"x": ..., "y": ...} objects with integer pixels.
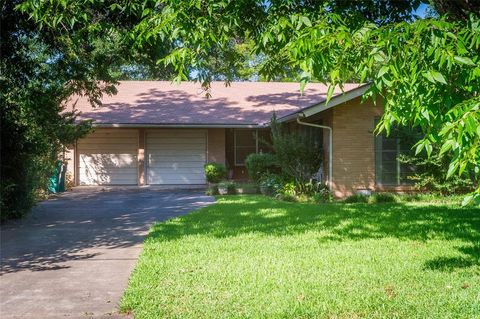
[
  {"x": 330, "y": 146},
  {"x": 150, "y": 125}
]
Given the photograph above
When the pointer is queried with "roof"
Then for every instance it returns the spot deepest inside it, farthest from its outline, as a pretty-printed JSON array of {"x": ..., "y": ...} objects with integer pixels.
[{"x": 165, "y": 103}]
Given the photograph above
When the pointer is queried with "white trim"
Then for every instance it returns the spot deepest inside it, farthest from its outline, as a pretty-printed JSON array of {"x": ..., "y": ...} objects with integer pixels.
[{"x": 334, "y": 101}]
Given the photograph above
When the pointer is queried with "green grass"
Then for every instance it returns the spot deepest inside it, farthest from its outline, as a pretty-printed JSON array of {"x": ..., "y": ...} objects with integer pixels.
[{"x": 254, "y": 257}]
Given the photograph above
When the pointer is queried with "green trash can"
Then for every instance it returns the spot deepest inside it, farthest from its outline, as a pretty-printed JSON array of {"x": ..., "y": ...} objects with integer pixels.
[{"x": 57, "y": 181}]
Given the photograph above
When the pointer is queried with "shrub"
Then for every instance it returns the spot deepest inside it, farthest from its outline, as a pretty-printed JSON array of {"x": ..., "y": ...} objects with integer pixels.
[
  {"x": 215, "y": 172},
  {"x": 298, "y": 155},
  {"x": 270, "y": 184},
  {"x": 356, "y": 198},
  {"x": 323, "y": 196},
  {"x": 287, "y": 192},
  {"x": 430, "y": 174},
  {"x": 231, "y": 188},
  {"x": 213, "y": 190},
  {"x": 259, "y": 165},
  {"x": 382, "y": 198}
]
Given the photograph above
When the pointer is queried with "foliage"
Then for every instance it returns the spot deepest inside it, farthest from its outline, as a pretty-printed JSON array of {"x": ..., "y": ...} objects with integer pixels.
[
  {"x": 287, "y": 192},
  {"x": 270, "y": 184},
  {"x": 231, "y": 188},
  {"x": 430, "y": 175},
  {"x": 323, "y": 195},
  {"x": 325, "y": 261},
  {"x": 356, "y": 198},
  {"x": 259, "y": 165},
  {"x": 383, "y": 197},
  {"x": 212, "y": 190},
  {"x": 298, "y": 156},
  {"x": 41, "y": 66},
  {"x": 215, "y": 172},
  {"x": 426, "y": 70}
]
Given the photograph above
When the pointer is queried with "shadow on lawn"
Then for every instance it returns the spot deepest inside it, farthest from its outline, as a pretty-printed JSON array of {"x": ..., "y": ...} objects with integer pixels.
[{"x": 340, "y": 222}]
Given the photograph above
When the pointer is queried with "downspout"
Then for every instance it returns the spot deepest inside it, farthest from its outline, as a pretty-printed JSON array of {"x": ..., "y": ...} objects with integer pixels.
[{"x": 330, "y": 149}]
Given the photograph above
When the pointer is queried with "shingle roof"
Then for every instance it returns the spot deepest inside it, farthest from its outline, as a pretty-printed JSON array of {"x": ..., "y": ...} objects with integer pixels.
[{"x": 162, "y": 102}]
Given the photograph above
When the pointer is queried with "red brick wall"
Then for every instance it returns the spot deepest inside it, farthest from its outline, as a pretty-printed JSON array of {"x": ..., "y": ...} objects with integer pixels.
[{"x": 353, "y": 146}]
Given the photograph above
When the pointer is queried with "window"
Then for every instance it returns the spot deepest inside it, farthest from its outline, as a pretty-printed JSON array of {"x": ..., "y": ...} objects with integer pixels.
[
  {"x": 245, "y": 144},
  {"x": 250, "y": 141},
  {"x": 388, "y": 168}
]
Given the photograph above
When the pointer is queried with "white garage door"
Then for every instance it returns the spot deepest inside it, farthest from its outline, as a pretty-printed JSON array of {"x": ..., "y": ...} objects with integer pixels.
[
  {"x": 175, "y": 157},
  {"x": 108, "y": 157}
]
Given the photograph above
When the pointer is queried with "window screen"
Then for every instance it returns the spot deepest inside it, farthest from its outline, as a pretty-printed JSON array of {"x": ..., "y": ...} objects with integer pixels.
[
  {"x": 388, "y": 168},
  {"x": 245, "y": 144}
]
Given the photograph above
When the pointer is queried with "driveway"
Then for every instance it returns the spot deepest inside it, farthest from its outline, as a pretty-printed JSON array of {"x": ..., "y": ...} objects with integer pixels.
[{"x": 71, "y": 258}]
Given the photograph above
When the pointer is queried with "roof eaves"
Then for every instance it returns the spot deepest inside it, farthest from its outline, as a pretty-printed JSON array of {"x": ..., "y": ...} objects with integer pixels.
[
  {"x": 322, "y": 106},
  {"x": 176, "y": 125}
]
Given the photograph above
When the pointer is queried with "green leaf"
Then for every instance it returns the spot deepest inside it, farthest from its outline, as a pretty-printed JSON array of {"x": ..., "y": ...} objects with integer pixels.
[
  {"x": 464, "y": 60},
  {"x": 330, "y": 90},
  {"x": 306, "y": 21},
  {"x": 452, "y": 168},
  {"x": 438, "y": 77},
  {"x": 468, "y": 200},
  {"x": 384, "y": 69}
]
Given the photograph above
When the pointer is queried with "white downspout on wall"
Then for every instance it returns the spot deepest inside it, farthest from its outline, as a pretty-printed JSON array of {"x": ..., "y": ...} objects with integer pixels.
[{"x": 330, "y": 146}]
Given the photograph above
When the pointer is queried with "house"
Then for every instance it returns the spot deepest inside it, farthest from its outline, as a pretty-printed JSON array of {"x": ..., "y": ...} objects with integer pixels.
[{"x": 159, "y": 133}]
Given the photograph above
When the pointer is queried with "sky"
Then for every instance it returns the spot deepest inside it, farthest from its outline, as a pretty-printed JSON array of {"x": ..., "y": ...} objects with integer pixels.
[{"x": 422, "y": 10}]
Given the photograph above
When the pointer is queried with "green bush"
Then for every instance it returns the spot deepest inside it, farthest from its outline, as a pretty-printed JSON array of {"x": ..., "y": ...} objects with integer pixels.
[
  {"x": 323, "y": 196},
  {"x": 356, "y": 198},
  {"x": 298, "y": 154},
  {"x": 231, "y": 188},
  {"x": 382, "y": 198},
  {"x": 215, "y": 172},
  {"x": 287, "y": 192},
  {"x": 259, "y": 165},
  {"x": 213, "y": 190},
  {"x": 431, "y": 174},
  {"x": 270, "y": 184}
]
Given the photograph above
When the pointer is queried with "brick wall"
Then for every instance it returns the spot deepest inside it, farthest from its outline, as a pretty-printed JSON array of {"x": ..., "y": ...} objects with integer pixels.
[{"x": 353, "y": 146}]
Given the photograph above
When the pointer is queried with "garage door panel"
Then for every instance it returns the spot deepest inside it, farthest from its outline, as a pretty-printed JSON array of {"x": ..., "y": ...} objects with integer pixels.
[
  {"x": 176, "y": 156},
  {"x": 170, "y": 165},
  {"x": 162, "y": 134},
  {"x": 109, "y": 141},
  {"x": 153, "y": 146},
  {"x": 105, "y": 149},
  {"x": 188, "y": 153},
  {"x": 175, "y": 180},
  {"x": 108, "y": 158},
  {"x": 178, "y": 140}
]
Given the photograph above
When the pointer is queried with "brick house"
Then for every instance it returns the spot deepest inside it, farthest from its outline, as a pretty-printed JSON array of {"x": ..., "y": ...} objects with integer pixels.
[{"x": 159, "y": 133}]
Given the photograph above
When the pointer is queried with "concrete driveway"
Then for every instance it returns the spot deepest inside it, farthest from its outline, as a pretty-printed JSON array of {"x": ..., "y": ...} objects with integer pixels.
[{"x": 71, "y": 258}]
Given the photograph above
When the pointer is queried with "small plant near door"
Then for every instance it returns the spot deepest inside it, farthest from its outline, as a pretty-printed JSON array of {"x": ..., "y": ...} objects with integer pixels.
[{"x": 215, "y": 172}]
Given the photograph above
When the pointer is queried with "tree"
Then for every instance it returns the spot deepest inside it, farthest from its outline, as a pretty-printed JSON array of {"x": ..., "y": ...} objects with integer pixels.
[
  {"x": 426, "y": 70},
  {"x": 38, "y": 72}
]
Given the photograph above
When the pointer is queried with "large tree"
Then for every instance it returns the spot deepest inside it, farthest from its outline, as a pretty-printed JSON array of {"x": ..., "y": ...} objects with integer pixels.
[{"x": 427, "y": 70}]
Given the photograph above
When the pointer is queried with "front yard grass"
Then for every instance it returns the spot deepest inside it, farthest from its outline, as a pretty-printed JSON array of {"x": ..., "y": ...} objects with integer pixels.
[{"x": 255, "y": 257}]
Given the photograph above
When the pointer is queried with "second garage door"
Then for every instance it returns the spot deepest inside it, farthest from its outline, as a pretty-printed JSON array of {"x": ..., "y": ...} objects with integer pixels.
[{"x": 175, "y": 156}]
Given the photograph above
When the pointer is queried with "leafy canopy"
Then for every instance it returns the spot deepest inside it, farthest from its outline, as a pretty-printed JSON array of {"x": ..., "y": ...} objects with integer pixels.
[{"x": 426, "y": 70}]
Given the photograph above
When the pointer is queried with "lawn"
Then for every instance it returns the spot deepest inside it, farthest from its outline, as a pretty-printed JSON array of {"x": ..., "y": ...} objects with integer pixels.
[{"x": 254, "y": 257}]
